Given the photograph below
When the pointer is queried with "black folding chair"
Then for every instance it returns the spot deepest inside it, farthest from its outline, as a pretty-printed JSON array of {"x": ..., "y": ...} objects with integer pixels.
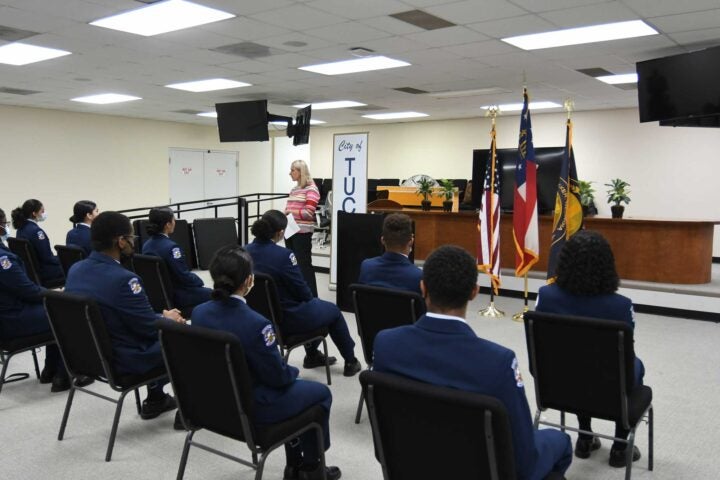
[
  {"x": 85, "y": 347},
  {"x": 586, "y": 366},
  {"x": 264, "y": 299},
  {"x": 12, "y": 346},
  {"x": 223, "y": 402},
  {"x": 156, "y": 280},
  {"x": 23, "y": 249},
  {"x": 68, "y": 255},
  {"x": 378, "y": 308},
  {"x": 427, "y": 432}
]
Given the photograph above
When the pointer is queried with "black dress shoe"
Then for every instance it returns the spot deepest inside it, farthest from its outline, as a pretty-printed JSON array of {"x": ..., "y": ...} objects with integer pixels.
[
  {"x": 291, "y": 472},
  {"x": 317, "y": 360},
  {"x": 617, "y": 457},
  {"x": 47, "y": 375},
  {"x": 351, "y": 368},
  {"x": 583, "y": 447},
  {"x": 152, "y": 409},
  {"x": 61, "y": 382},
  {"x": 331, "y": 473}
]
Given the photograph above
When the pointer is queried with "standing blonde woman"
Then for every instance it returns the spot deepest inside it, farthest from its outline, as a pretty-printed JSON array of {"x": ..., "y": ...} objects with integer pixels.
[{"x": 301, "y": 203}]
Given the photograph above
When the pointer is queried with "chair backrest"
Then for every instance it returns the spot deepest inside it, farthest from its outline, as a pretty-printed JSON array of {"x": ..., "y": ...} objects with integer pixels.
[
  {"x": 378, "y": 308},
  {"x": 68, "y": 255},
  {"x": 265, "y": 300},
  {"x": 222, "y": 401},
  {"x": 22, "y": 248},
  {"x": 81, "y": 334},
  {"x": 210, "y": 235},
  {"x": 426, "y": 431},
  {"x": 156, "y": 280},
  {"x": 182, "y": 235},
  {"x": 581, "y": 365}
]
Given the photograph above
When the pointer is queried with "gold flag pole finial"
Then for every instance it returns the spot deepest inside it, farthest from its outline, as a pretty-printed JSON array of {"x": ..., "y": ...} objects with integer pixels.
[
  {"x": 569, "y": 106},
  {"x": 493, "y": 112}
]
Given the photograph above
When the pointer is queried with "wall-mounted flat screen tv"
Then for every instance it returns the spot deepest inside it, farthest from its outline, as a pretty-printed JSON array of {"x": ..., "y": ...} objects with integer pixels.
[{"x": 243, "y": 121}]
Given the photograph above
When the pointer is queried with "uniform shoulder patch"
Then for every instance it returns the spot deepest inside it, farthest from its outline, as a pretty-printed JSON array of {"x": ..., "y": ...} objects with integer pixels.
[
  {"x": 176, "y": 253},
  {"x": 268, "y": 335},
  {"x": 41, "y": 235},
  {"x": 135, "y": 286},
  {"x": 293, "y": 260},
  {"x": 516, "y": 372},
  {"x": 5, "y": 262}
]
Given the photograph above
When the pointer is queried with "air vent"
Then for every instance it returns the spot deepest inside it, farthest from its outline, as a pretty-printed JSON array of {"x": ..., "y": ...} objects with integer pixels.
[
  {"x": 247, "y": 50},
  {"x": 594, "y": 72},
  {"x": 10, "y": 34},
  {"x": 18, "y": 91},
  {"x": 414, "y": 91},
  {"x": 626, "y": 86},
  {"x": 422, "y": 19}
]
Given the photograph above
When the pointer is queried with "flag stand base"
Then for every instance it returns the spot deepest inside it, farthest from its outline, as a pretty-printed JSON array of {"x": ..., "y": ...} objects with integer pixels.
[
  {"x": 491, "y": 311},
  {"x": 519, "y": 317}
]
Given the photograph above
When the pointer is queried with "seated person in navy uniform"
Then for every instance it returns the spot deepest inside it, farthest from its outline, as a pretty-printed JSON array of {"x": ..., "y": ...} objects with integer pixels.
[
  {"x": 302, "y": 312},
  {"x": 393, "y": 269},
  {"x": 585, "y": 286},
  {"x": 442, "y": 349},
  {"x": 84, "y": 212},
  {"x": 189, "y": 288},
  {"x": 25, "y": 219},
  {"x": 125, "y": 308},
  {"x": 277, "y": 392},
  {"x": 22, "y": 313}
]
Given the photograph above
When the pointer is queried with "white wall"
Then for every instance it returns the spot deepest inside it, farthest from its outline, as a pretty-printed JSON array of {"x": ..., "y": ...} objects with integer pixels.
[{"x": 672, "y": 171}]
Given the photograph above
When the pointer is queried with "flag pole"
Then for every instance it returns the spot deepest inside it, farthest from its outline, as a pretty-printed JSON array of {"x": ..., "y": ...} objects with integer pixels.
[
  {"x": 491, "y": 310},
  {"x": 518, "y": 317}
]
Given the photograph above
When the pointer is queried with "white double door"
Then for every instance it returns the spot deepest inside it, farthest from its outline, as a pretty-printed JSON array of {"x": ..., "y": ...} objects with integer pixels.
[{"x": 200, "y": 175}]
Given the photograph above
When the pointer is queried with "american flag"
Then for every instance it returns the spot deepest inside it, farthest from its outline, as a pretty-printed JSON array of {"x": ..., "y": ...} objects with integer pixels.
[
  {"x": 525, "y": 221},
  {"x": 568, "y": 218},
  {"x": 489, "y": 219}
]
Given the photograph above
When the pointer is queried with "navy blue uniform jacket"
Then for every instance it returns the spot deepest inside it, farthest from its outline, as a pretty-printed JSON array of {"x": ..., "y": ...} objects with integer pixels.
[
  {"x": 49, "y": 265},
  {"x": 125, "y": 308},
  {"x": 79, "y": 236},
  {"x": 20, "y": 299},
  {"x": 447, "y": 353},
  {"x": 281, "y": 264},
  {"x": 391, "y": 270}
]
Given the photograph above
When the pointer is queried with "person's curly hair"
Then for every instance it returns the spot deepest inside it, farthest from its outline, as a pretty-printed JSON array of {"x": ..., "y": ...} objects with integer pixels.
[
  {"x": 450, "y": 275},
  {"x": 586, "y": 265}
]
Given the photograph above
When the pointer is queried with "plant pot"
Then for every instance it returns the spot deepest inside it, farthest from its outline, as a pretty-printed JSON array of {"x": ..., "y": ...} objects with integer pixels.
[
  {"x": 447, "y": 205},
  {"x": 426, "y": 205},
  {"x": 617, "y": 211}
]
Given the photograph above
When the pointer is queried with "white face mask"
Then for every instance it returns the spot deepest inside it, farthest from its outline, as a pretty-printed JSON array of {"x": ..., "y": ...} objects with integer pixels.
[
  {"x": 5, "y": 229},
  {"x": 42, "y": 217}
]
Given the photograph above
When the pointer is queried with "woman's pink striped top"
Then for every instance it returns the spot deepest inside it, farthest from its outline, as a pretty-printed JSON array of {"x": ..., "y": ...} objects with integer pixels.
[{"x": 302, "y": 203}]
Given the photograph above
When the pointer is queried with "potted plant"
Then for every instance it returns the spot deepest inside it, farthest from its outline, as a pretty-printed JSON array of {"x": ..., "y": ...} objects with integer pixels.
[
  {"x": 617, "y": 195},
  {"x": 587, "y": 197},
  {"x": 447, "y": 189},
  {"x": 425, "y": 188}
]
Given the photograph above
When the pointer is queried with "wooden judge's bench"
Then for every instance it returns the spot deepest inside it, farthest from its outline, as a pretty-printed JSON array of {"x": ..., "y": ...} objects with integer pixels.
[{"x": 665, "y": 251}]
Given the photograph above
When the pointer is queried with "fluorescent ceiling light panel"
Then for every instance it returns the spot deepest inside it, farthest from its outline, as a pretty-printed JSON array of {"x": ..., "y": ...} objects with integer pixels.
[
  {"x": 581, "y": 35},
  {"x": 105, "y": 98},
  {"x": 516, "y": 107},
  {"x": 469, "y": 93},
  {"x": 395, "y": 115},
  {"x": 619, "y": 79},
  {"x": 331, "y": 105},
  {"x": 312, "y": 122},
  {"x": 22, "y": 53},
  {"x": 208, "y": 85},
  {"x": 162, "y": 17},
  {"x": 365, "y": 64},
  {"x": 208, "y": 114}
]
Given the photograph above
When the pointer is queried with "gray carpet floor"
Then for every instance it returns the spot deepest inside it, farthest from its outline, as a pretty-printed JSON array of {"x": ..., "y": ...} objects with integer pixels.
[{"x": 681, "y": 357}]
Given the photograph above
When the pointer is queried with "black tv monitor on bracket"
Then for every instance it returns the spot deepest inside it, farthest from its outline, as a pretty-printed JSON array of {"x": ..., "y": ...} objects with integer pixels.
[
  {"x": 549, "y": 160},
  {"x": 248, "y": 122}
]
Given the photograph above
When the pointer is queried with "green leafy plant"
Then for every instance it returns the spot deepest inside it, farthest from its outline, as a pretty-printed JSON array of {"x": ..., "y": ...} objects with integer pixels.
[
  {"x": 447, "y": 189},
  {"x": 618, "y": 192},
  {"x": 587, "y": 193},
  {"x": 425, "y": 188}
]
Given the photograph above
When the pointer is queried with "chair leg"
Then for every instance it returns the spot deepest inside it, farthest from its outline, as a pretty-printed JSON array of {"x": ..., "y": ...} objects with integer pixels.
[
  {"x": 650, "y": 439},
  {"x": 66, "y": 414},
  {"x": 185, "y": 453},
  {"x": 254, "y": 458},
  {"x": 260, "y": 465},
  {"x": 2, "y": 375},
  {"x": 327, "y": 363},
  {"x": 37, "y": 368},
  {"x": 137, "y": 401},
  {"x": 113, "y": 430},
  {"x": 629, "y": 454},
  {"x": 321, "y": 448},
  {"x": 359, "y": 409},
  {"x": 562, "y": 421}
]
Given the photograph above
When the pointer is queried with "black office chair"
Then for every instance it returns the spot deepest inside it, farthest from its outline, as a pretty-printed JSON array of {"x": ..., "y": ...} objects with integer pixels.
[
  {"x": 23, "y": 249},
  {"x": 13, "y": 346},
  {"x": 586, "y": 366},
  {"x": 223, "y": 402},
  {"x": 377, "y": 309},
  {"x": 68, "y": 255},
  {"x": 84, "y": 344},
  {"x": 264, "y": 299},
  {"x": 426, "y": 432}
]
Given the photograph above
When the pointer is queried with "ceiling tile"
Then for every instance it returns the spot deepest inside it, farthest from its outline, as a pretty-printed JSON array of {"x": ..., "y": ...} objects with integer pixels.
[
  {"x": 471, "y": 11},
  {"x": 298, "y": 17},
  {"x": 347, "y": 33},
  {"x": 447, "y": 36},
  {"x": 359, "y": 10}
]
